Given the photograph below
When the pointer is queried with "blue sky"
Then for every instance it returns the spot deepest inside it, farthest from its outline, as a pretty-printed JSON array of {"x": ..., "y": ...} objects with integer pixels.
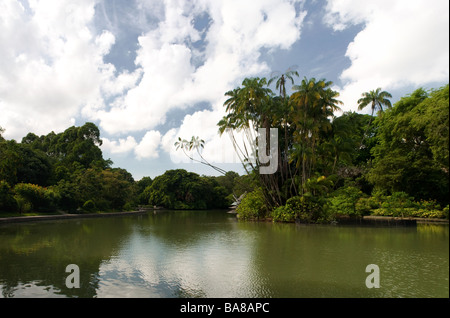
[{"x": 150, "y": 71}]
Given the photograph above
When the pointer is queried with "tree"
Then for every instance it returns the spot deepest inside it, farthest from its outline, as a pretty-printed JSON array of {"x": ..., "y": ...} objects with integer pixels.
[
  {"x": 180, "y": 189},
  {"x": 248, "y": 108},
  {"x": 282, "y": 116},
  {"x": 404, "y": 160},
  {"x": 9, "y": 161},
  {"x": 433, "y": 116},
  {"x": 7, "y": 201},
  {"x": 313, "y": 103},
  {"x": 35, "y": 167},
  {"x": 141, "y": 185},
  {"x": 196, "y": 144},
  {"x": 2, "y": 130},
  {"x": 281, "y": 81},
  {"x": 376, "y": 99}
]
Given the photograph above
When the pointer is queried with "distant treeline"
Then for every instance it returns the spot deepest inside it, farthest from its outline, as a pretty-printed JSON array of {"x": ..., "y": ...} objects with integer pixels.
[{"x": 67, "y": 172}]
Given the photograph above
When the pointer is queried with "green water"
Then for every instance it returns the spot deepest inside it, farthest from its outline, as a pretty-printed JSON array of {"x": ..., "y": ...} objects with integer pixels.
[{"x": 210, "y": 254}]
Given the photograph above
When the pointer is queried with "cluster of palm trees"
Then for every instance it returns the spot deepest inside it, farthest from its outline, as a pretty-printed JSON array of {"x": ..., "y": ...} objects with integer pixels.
[
  {"x": 309, "y": 143},
  {"x": 304, "y": 120}
]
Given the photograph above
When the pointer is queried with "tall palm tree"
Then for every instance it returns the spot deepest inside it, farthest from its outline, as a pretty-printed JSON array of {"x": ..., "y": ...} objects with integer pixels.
[
  {"x": 281, "y": 81},
  {"x": 280, "y": 85},
  {"x": 376, "y": 99},
  {"x": 248, "y": 107},
  {"x": 313, "y": 102}
]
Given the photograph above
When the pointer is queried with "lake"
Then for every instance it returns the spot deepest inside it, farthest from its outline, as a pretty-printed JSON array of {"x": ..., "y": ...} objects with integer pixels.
[{"x": 174, "y": 254}]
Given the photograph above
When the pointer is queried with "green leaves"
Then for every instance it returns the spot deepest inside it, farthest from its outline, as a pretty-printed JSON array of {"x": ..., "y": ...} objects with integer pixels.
[
  {"x": 179, "y": 189},
  {"x": 194, "y": 143},
  {"x": 375, "y": 98},
  {"x": 412, "y": 150}
]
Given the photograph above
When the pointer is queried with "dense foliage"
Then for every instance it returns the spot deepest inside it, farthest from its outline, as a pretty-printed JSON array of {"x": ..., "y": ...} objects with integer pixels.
[
  {"x": 350, "y": 165},
  {"x": 395, "y": 162},
  {"x": 179, "y": 189},
  {"x": 66, "y": 172}
]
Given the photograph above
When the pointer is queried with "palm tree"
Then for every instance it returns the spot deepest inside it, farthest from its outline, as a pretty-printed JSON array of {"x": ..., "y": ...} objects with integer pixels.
[
  {"x": 281, "y": 86},
  {"x": 313, "y": 102},
  {"x": 376, "y": 99},
  {"x": 281, "y": 81},
  {"x": 248, "y": 107},
  {"x": 195, "y": 143}
]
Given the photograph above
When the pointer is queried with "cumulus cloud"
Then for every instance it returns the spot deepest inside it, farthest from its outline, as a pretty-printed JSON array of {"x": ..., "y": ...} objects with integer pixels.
[
  {"x": 53, "y": 69},
  {"x": 173, "y": 77},
  {"x": 168, "y": 55},
  {"x": 123, "y": 145},
  {"x": 402, "y": 43},
  {"x": 51, "y": 65},
  {"x": 148, "y": 147}
]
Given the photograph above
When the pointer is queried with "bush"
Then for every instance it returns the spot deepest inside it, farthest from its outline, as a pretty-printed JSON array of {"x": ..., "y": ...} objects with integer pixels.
[
  {"x": 23, "y": 205},
  {"x": 344, "y": 201},
  {"x": 399, "y": 204},
  {"x": 89, "y": 206},
  {"x": 306, "y": 208},
  {"x": 365, "y": 206},
  {"x": 129, "y": 206},
  {"x": 283, "y": 214},
  {"x": 34, "y": 197},
  {"x": 252, "y": 205}
]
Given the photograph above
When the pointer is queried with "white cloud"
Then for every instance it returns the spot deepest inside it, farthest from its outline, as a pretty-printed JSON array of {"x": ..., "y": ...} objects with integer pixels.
[
  {"x": 203, "y": 124},
  {"x": 51, "y": 65},
  {"x": 121, "y": 146},
  {"x": 402, "y": 43},
  {"x": 53, "y": 69},
  {"x": 171, "y": 78},
  {"x": 231, "y": 51},
  {"x": 148, "y": 147}
]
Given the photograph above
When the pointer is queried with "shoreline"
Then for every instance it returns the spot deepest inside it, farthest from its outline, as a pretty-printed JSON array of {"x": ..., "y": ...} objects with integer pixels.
[
  {"x": 31, "y": 218},
  {"x": 369, "y": 219}
]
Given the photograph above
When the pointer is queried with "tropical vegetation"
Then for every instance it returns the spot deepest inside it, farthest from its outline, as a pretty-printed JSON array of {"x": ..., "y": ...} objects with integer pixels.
[
  {"x": 353, "y": 164},
  {"x": 392, "y": 162}
]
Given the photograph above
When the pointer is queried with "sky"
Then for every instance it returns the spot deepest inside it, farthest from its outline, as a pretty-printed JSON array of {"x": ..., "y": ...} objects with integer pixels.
[{"x": 149, "y": 71}]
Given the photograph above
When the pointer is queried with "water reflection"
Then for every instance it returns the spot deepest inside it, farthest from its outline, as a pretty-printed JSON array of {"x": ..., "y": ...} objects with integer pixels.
[
  {"x": 203, "y": 260},
  {"x": 210, "y": 254}
]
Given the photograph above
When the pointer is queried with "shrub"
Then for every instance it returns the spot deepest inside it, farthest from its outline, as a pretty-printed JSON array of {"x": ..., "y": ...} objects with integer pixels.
[
  {"x": 399, "y": 204},
  {"x": 89, "y": 206},
  {"x": 252, "y": 205},
  {"x": 283, "y": 214},
  {"x": 23, "y": 205},
  {"x": 345, "y": 200},
  {"x": 365, "y": 206},
  {"x": 306, "y": 208},
  {"x": 34, "y": 197},
  {"x": 129, "y": 206}
]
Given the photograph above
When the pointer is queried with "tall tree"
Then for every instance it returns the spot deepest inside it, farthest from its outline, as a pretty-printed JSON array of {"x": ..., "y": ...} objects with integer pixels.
[
  {"x": 376, "y": 99},
  {"x": 248, "y": 108},
  {"x": 280, "y": 84},
  {"x": 405, "y": 157},
  {"x": 283, "y": 116},
  {"x": 313, "y": 103}
]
